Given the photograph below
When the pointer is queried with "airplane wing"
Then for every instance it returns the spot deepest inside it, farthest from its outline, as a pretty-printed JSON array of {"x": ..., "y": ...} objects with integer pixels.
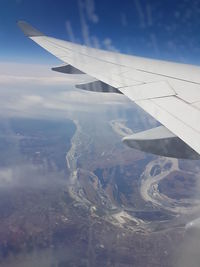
[{"x": 170, "y": 92}]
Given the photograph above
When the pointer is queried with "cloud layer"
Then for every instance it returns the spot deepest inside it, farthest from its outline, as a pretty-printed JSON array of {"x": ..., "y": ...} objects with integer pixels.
[{"x": 29, "y": 90}]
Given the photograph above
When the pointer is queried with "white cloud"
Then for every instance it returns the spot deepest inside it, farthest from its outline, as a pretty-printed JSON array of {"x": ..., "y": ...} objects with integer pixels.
[
  {"x": 6, "y": 176},
  {"x": 124, "y": 19},
  {"x": 90, "y": 8},
  {"x": 84, "y": 25},
  {"x": 44, "y": 96},
  {"x": 87, "y": 17},
  {"x": 108, "y": 45},
  {"x": 140, "y": 13},
  {"x": 30, "y": 175},
  {"x": 47, "y": 93},
  {"x": 23, "y": 74},
  {"x": 70, "y": 31},
  {"x": 149, "y": 15}
]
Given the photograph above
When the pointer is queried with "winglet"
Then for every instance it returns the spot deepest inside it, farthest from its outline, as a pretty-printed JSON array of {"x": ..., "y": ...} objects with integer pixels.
[{"x": 28, "y": 30}]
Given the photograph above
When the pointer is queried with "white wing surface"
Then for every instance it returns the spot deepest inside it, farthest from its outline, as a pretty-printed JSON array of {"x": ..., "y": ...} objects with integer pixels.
[{"x": 170, "y": 92}]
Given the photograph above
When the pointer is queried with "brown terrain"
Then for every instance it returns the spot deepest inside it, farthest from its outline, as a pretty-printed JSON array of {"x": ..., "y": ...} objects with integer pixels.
[{"x": 83, "y": 213}]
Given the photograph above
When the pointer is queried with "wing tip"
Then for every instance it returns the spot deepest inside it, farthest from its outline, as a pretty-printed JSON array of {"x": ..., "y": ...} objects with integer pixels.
[{"x": 28, "y": 30}]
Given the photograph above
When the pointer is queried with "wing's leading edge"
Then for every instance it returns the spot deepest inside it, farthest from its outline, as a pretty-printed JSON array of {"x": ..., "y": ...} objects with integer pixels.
[{"x": 169, "y": 91}]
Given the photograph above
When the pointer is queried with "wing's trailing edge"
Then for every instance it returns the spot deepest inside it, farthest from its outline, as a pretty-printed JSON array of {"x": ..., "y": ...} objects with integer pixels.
[{"x": 168, "y": 91}]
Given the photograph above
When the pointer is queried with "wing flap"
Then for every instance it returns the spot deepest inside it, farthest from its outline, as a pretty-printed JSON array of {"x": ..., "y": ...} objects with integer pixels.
[
  {"x": 179, "y": 117},
  {"x": 161, "y": 141},
  {"x": 148, "y": 91}
]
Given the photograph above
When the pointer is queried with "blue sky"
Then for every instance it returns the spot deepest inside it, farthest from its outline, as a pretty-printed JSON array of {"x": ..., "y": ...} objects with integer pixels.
[{"x": 161, "y": 29}]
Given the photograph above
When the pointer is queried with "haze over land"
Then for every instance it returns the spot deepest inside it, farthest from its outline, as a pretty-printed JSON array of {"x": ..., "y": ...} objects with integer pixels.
[{"x": 73, "y": 195}]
